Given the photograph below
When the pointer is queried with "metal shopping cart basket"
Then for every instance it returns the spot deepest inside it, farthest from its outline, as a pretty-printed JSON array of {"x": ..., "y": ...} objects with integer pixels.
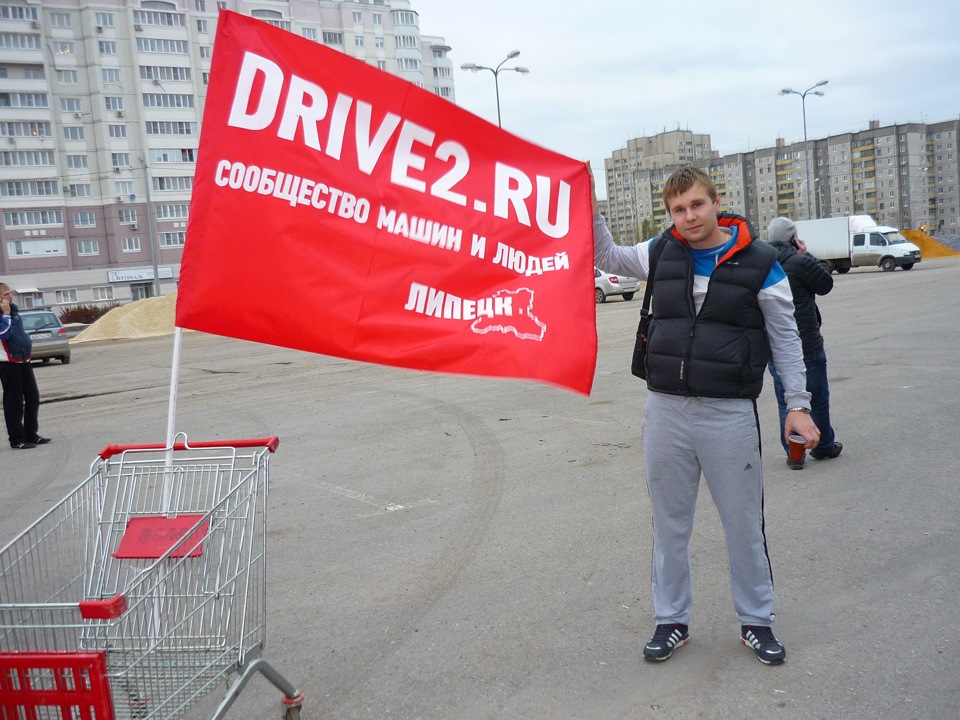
[{"x": 143, "y": 589}]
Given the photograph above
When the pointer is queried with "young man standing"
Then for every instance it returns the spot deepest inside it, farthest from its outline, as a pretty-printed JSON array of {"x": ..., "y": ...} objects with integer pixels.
[{"x": 721, "y": 304}]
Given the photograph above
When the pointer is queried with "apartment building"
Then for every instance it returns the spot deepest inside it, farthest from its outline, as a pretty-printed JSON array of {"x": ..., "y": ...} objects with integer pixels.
[
  {"x": 632, "y": 173},
  {"x": 101, "y": 106},
  {"x": 903, "y": 175}
]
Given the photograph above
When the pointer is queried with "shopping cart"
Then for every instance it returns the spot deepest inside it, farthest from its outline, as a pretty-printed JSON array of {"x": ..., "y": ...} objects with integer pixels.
[{"x": 142, "y": 590}]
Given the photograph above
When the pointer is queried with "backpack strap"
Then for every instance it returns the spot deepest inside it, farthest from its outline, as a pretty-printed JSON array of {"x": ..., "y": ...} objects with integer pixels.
[
  {"x": 656, "y": 248},
  {"x": 638, "y": 363}
]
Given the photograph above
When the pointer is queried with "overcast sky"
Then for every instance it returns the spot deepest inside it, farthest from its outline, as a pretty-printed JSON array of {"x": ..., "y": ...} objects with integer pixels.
[{"x": 605, "y": 71}]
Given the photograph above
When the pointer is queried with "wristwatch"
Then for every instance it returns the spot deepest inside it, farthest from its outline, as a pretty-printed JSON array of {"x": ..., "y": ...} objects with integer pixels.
[{"x": 799, "y": 409}]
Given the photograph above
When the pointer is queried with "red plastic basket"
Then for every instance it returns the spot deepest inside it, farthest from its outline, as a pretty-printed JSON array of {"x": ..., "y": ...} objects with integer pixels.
[{"x": 35, "y": 685}]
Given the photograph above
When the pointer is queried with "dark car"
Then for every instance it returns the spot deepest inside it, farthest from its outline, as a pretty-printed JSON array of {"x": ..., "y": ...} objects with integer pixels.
[{"x": 48, "y": 335}]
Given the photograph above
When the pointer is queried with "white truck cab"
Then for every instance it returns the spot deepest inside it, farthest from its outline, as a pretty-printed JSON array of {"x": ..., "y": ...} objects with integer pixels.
[{"x": 882, "y": 247}]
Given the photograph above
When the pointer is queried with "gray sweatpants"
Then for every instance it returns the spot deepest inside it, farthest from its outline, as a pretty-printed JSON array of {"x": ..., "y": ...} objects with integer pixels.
[{"x": 682, "y": 437}]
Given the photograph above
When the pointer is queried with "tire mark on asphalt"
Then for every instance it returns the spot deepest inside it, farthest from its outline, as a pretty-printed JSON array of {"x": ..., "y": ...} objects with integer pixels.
[{"x": 484, "y": 492}]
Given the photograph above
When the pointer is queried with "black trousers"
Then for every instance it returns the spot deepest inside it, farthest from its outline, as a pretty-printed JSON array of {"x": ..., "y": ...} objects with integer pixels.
[{"x": 21, "y": 401}]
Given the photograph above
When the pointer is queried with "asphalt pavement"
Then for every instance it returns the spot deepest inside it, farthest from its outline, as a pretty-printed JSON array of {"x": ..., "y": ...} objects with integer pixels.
[{"x": 446, "y": 547}]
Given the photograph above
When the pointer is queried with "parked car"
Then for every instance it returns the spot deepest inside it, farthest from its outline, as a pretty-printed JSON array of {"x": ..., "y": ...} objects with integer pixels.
[
  {"x": 48, "y": 334},
  {"x": 606, "y": 285}
]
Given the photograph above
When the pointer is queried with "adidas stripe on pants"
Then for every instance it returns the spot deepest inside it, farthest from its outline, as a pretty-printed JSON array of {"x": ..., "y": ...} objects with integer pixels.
[{"x": 682, "y": 438}]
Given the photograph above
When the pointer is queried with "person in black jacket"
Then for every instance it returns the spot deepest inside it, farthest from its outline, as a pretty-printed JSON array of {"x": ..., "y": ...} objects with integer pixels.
[
  {"x": 808, "y": 278},
  {"x": 21, "y": 397},
  {"x": 721, "y": 307}
]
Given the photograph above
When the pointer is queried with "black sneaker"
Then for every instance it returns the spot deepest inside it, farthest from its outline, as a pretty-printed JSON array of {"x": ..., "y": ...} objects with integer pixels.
[
  {"x": 665, "y": 640},
  {"x": 769, "y": 650},
  {"x": 827, "y": 454},
  {"x": 39, "y": 440},
  {"x": 23, "y": 445}
]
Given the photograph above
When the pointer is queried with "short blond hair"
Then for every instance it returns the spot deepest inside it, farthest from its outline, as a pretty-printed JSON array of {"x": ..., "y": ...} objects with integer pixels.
[{"x": 684, "y": 179}]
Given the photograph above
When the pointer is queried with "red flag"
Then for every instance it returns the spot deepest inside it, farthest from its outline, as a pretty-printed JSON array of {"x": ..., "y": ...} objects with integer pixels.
[{"x": 341, "y": 210}]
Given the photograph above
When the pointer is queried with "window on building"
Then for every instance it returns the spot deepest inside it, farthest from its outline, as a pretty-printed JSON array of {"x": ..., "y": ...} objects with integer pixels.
[
  {"x": 84, "y": 218},
  {"x": 66, "y": 296},
  {"x": 124, "y": 187},
  {"x": 19, "y": 41},
  {"x": 310, "y": 33},
  {"x": 155, "y": 17},
  {"x": 164, "y": 73},
  {"x": 104, "y": 19},
  {"x": 173, "y": 211},
  {"x": 117, "y": 131},
  {"x": 27, "y": 158},
  {"x": 171, "y": 128},
  {"x": 357, "y": 18},
  {"x": 172, "y": 183},
  {"x": 172, "y": 239},
  {"x": 332, "y": 38},
  {"x": 202, "y": 26},
  {"x": 80, "y": 190},
  {"x": 102, "y": 292},
  {"x": 18, "y": 12},
  {"x": 162, "y": 45},
  {"x": 120, "y": 160},
  {"x": 172, "y": 155},
  {"x": 112, "y": 102},
  {"x": 142, "y": 290},
  {"x": 68, "y": 77},
  {"x": 272, "y": 17},
  {"x": 23, "y": 100},
  {"x": 110, "y": 75},
  {"x": 40, "y": 246},
  {"x": 32, "y": 218},
  {"x": 61, "y": 20},
  {"x": 30, "y": 300},
  {"x": 107, "y": 47},
  {"x": 70, "y": 104},
  {"x": 167, "y": 100},
  {"x": 130, "y": 244},
  {"x": 128, "y": 216},
  {"x": 358, "y": 41},
  {"x": 88, "y": 247}
]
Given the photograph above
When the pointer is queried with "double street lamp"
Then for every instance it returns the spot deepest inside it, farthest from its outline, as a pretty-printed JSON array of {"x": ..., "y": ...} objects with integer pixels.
[
  {"x": 473, "y": 67},
  {"x": 806, "y": 145}
]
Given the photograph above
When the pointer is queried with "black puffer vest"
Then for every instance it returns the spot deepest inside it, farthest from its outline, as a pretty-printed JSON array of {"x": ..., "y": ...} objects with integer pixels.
[{"x": 722, "y": 351}]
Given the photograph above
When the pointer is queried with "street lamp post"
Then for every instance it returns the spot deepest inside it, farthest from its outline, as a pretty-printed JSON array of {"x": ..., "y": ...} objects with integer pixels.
[
  {"x": 806, "y": 145},
  {"x": 473, "y": 67}
]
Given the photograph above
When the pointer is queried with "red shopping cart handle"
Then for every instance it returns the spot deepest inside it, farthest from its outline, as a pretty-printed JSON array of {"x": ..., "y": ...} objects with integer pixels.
[
  {"x": 103, "y": 609},
  {"x": 270, "y": 443}
]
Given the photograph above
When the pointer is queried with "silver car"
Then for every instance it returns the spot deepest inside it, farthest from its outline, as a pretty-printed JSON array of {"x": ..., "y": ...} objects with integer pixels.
[
  {"x": 606, "y": 285},
  {"x": 48, "y": 335}
]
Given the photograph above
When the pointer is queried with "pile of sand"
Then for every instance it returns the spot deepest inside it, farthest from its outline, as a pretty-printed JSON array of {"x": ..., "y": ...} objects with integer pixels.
[
  {"x": 152, "y": 317},
  {"x": 929, "y": 248}
]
